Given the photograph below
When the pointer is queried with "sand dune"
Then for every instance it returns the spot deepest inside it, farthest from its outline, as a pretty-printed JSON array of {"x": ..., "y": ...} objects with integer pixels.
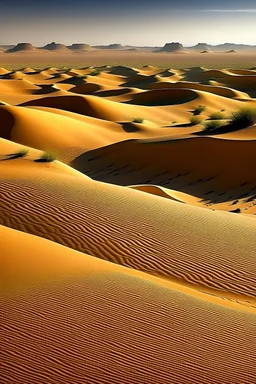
[
  {"x": 223, "y": 174},
  {"x": 217, "y": 90},
  {"x": 99, "y": 321},
  {"x": 159, "y": 255},
  {"x": 128, "y": 248}
]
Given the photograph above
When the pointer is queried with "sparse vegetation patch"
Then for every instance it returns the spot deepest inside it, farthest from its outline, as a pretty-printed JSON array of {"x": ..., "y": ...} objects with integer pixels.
[
  {"x": 47, "y": 157},
  {"x": 217, "y": 116},
  {"x": 244, "y": 117},
  {"x": 96, "y": 72},
  {"x": 199, "y": 110},
  {"x": 138, "y": 120},
  {"x": 21, "y": 152},
  {"x": 210, "y": 126},
  {"x": 195, "y": 120}
]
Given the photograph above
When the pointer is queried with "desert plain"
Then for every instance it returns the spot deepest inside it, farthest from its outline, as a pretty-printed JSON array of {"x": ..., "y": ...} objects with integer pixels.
[{"x": 127, "y": 212}]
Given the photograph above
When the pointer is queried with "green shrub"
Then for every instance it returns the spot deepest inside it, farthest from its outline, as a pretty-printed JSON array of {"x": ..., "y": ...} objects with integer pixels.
[
  {"x": 81, "y": 76},
  {"x": 21, "y": 152},
  {"x": 210, "y": 126},
  {"x": 199, "y": 110},
  {"x": 96, "y": 72},
  {"x": 194, "y": 120},
  {"x": 47, "y": 157},
  {"x": 217, "y": 116},
  {"x": 244, "y": 117},
  {"x": 138, "y": 120}
]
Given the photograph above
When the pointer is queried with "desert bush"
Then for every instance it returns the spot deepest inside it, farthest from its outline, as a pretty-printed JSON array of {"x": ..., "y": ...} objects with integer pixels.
[
  {"x": 138, "y": 120},
  {"x": 47, "y": 157},
  {"x": 96, "y": 72},
  {"x": 194, "y": 120},
  {"x": 210, "y": 126},
  {"x": 199, "y": 110},
  {"x": 244, "y": 117},
  {"x": 21, "y": 152},
  {"x": 81, "y": 76},
  {"x": 217, "y": 116}
]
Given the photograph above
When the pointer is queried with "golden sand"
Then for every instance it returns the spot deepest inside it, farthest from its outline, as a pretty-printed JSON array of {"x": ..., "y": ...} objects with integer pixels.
[{"x": 130, "y": 257}]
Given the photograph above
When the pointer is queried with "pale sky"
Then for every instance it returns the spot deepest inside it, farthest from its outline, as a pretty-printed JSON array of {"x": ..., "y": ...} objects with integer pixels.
[{"x": 132, "y": 22}]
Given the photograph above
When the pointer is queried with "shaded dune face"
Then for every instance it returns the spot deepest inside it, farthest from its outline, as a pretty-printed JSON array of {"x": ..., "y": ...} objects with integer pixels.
[
  {"x": 127, "y": 230},
  {"x": 164, "y": 97},
  {"x": 6, "y": 124},
  {"x": 224, "y": 171},
  {"x": 68, "y": 103}
]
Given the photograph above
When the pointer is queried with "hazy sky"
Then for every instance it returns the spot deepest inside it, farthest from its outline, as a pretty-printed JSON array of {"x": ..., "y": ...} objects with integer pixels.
[{"x": 135, "y": 22}]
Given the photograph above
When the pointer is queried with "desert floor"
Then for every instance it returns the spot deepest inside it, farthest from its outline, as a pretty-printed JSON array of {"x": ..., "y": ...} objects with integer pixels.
[
  {"x": 163, "y": 60},
  {"x": 127, "y": 229}
]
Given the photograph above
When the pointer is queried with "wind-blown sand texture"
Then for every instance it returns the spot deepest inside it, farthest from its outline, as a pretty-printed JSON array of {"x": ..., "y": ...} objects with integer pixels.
[{"x": 131, "y": 258}]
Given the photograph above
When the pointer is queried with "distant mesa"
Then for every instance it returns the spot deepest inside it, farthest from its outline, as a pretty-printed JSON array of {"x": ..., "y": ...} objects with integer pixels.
[
  {"x": 231, "y": 51},
  {"x": 232, "y": 46},
  {"x": 6, "y": 47},
  {"x": 115, "y": 46},
  {"x": 226, "y": 47},
  {"x": 201, "y": 47},
  {"x": 111, "y": 46},
  {"x": 80, "y": 47},
  {"x": 172, "y": 47},
  {"x": 55, "y": 47},
  {"x": 132, "y": 49},
  {"x": 206, "y": 51},
  {"x": 22, "y": 47}
]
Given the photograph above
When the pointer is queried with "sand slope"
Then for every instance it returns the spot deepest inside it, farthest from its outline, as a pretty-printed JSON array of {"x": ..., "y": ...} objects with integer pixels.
[
  {"x": 67, "y": 308},
  {"x": 90, "y": 217},
  {"x": 131, "y": 257}
]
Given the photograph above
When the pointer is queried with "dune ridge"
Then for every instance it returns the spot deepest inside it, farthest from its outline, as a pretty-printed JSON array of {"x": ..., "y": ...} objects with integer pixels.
[{"x": 160, "y": 255}]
